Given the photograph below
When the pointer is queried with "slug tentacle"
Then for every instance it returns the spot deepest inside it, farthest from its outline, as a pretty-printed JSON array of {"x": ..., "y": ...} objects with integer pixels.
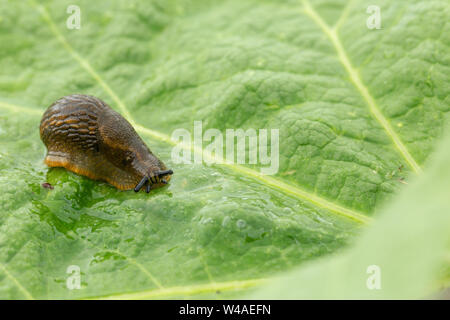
[
  {"x": 163, "y": 173},
  {"x": 141, "y": 184},
  {"x": 84, "y": 135}
]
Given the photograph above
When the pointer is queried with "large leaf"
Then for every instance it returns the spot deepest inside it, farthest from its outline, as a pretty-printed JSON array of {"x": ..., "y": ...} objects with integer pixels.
[{"x": 358, "y": 112}]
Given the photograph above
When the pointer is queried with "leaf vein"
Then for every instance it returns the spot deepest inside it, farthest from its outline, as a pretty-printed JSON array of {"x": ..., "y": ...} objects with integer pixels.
[
  {"x": 17, "y": 283},
  {"x": 360, "y": 86},
  {"x": 188, "y": 290}
]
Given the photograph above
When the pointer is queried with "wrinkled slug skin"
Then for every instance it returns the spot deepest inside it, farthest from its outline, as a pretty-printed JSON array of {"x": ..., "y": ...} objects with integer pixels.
[{"x": 84, "y": 135}]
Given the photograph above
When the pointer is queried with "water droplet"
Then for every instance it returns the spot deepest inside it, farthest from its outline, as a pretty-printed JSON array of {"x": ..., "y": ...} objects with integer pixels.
[
  {"x": 241, "y": 224},
  {"x": 206, "y": 221}
]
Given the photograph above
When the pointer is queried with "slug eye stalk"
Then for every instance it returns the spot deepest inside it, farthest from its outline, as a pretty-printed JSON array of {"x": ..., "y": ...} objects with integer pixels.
[
  {"x": 141, "y": 184},
  {"x": 163, "y": 173}
]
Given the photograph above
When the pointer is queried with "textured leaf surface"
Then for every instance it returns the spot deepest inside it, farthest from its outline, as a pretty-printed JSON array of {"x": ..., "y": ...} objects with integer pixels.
[
  {"x": 358, "y": 112},
  {"x": 409, "y": 244}
]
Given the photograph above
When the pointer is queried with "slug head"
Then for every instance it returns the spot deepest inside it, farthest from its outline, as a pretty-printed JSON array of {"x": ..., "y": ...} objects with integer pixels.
[{"x": 123, "y": 148}]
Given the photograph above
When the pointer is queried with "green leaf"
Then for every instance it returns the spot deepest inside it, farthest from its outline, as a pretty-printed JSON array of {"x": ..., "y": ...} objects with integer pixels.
[
  {"x": 358, "y": 111},
  {"x": 409, "y": 244}
]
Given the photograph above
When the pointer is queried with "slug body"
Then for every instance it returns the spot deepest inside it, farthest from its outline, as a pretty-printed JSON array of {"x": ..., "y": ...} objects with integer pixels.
[{"x": 84, "y": 135}]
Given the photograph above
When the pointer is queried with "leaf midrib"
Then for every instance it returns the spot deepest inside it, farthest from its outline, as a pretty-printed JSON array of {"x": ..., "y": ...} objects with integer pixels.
[{"x": 267, "y": 180}]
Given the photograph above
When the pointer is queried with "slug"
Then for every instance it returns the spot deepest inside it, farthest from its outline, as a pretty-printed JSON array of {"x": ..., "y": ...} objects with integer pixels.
[{"x": 84, "y": 135}]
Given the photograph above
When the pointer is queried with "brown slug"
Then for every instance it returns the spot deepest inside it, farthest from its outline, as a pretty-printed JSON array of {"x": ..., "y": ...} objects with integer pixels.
[{"x": 84, "y": 135}]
